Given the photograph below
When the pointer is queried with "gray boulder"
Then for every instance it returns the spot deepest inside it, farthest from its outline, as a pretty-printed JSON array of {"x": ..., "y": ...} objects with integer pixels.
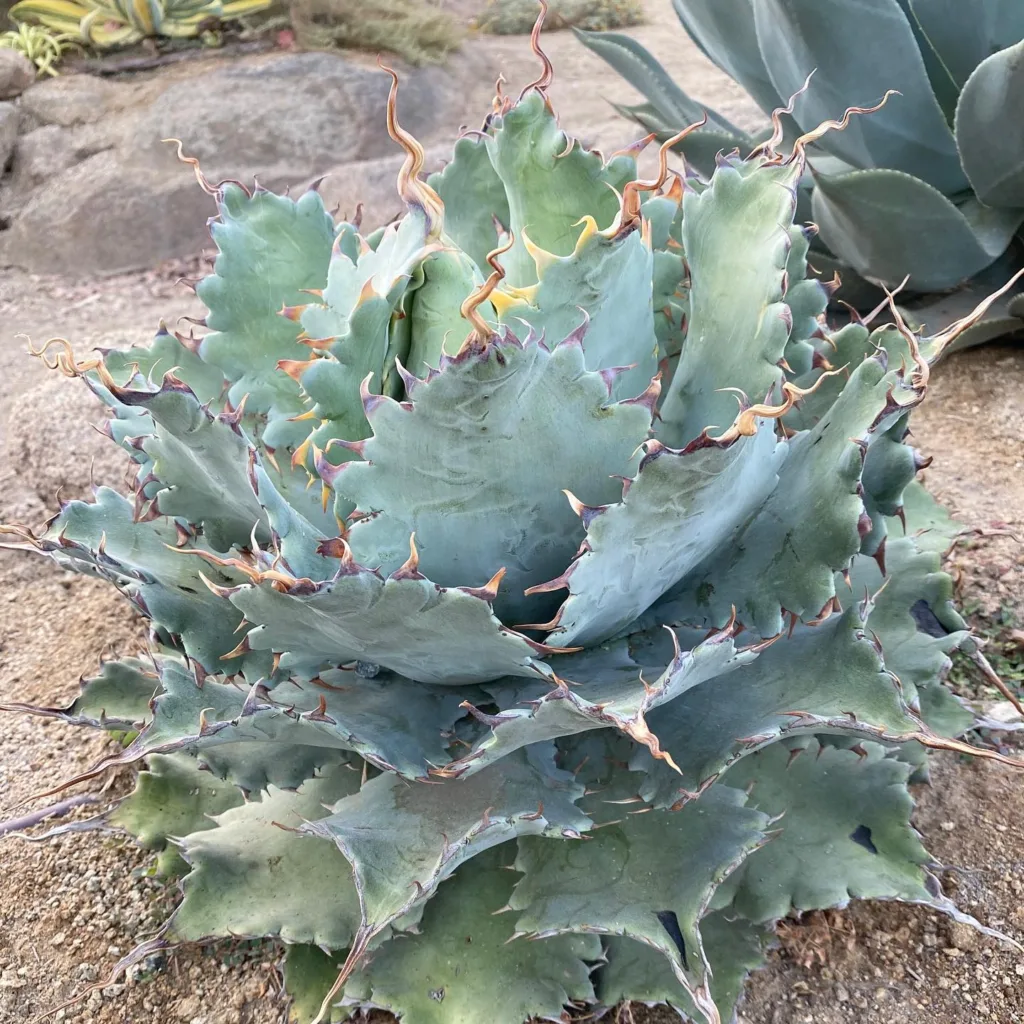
[
  {"x": 16, "y": 74},
  {"x": 8, "y": 133},
  {"x": 93, "y": 188}
]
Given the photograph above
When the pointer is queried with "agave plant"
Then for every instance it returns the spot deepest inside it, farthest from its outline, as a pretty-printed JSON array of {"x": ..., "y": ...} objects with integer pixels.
[
  {"x": 43, "y": 48},
  {"x": 930, "y": 186},
  {"x": 478, "y": 611},
  {"x": 104, "y": 23}
]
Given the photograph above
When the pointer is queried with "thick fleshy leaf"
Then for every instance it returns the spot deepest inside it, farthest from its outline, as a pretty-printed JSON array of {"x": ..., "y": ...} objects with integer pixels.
[
  {"x": 309, "y": 973},
  {"x": 828, "y": 678},
  {"x": 912, "y": 614},
  {"x": 992, "y": 156},
  {"x": 271, "y": 249},
  {"x": 683, "y": 507},
  {"x": 550, "y": 183},
  {"x": 929, "y": 522},
  {"x": 354, "y": 316},
  {"x": 725, "y": 31},
  {"x": 962, "y": 37},
  {"x": 433, "y": 310},
  {"x": 736, "y": 238},
  {"x": 255, "y": 765},
  {"x": 295, "y": 542},
  {"x": 460, "y": 966},
  {"x": 946, "y": 90},
  {"x": 201, "y": 464},
  {"x": 806, "y": 296},
  {"x": 474, "y": 197},
  {"x": 255, "y": 875},
  {"x": 404, "y": 840},
  {"x": 648, "y": 877},
  {"x": 609, "y": 278},
  {"x": 502, "y": 422},
  {"x": 102, "y": 539},
  {"x": 890, "y": 465},
  {"x": 674, "y": 109},
  {"x": 637, "y": 973},
  {"x": 393, "y": 723},
  {"x": 404, "y": 623},
  {"x": 845, "y": 832},
  {"x": 887, "y": 224},
  {"x": 173, "y": 798},
  {"x": 797, "y": 37},
  {"x": 600, "y": 688},
  {"x": 117, "y": 698},
  {"x": 808, "y": 528},
  {"x": 165, "y": 354}
]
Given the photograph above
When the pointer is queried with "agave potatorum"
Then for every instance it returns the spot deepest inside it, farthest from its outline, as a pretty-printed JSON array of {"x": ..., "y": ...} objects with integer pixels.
[
  {"x": 931, "y": 186},
  {"x": 555, "y": 636}
]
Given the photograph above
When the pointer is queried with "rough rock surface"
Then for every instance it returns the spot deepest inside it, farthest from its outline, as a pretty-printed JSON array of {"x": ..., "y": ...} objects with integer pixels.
[
  {"x": 16, "y": 74},
  {"x": 8, "y": 132},
  {"x": 89, "y": 167}
]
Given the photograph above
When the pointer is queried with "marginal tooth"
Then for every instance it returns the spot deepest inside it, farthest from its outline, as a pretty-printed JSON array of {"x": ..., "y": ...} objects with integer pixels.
[
  {"x": 338, "y": 547},
  {"x": 369, "y": 399},
  {"x": 325, "y": 469},
  {"x": 409, "y": 569},
  {"x": 295, "y": 368},
  {"x": 224, "y": 592},
  {"x": 611, "y": 373},
  {"x": 542, "y": 259},
  {"x": 293, "y": 313},
  {"x": 409, "y": 380},
  {"x": 366, "y": 294},
  {"x": 320, "y": 344},
  {"x": 242, "y": 648},
  {"x": 649, "y": 396},
  {"x": 489, "y": 591},
  {"x": 232, "y": 417},
  {"x": 586, "y": 512},
  {"x": 301, "y": 453},
  {"x": 508, "y": 297},
  {"x": 675, "y": 191},
  {"x": 558, "y": 583},
  {"x": 359, "y": 447},
  {"x": 590, "y": 230}
]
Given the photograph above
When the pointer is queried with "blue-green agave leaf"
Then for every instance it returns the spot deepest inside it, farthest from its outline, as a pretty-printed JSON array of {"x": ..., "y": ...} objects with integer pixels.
[
  {"x": 844, "y": 832},
  {"x": 474, "y": 198},
  {"x": 254, "y": 874},
  {"x": 403, "y": 840},
  {"x": 810, "y": 682},
  {"x": 684, "y": 855},
  {"x": 635, "y": 972},
  {"x": 993, "y": 157},
  {"x": 461, "y": 965},
  {"x": 476, "y": 463},
  {"x": 962, "y": 37},
  {"x": 797, "y": 37},
  {"x": 736, "y": 239},
  {"x": 887, "y": 224}
]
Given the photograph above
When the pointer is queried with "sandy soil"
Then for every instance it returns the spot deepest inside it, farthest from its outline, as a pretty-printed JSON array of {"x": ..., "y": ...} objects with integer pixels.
[{"x": 69, "y": 908}]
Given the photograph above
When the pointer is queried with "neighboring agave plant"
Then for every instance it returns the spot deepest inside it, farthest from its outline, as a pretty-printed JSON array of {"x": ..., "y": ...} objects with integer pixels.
[
  {"x": 104, "y": 23},
  {"x": 479, "y": 614},
  {"x": 38, "y": 45},
  {"x": 931, "y": 186}
]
